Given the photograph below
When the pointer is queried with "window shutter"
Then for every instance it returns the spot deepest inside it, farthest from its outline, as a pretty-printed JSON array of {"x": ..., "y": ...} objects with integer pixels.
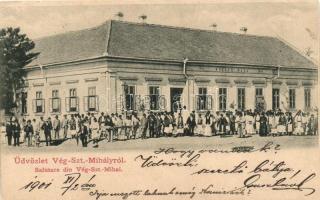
[
  {"x": 77, "y": 103},
  {"x": 34, "y": 107},
  {"x": 50, "y": 105},
  {"x": 97, "y": 103},
  {"x": 197, "y": 103},
  {"x": 86, "y": 104},
  {"x": 147, "y": 102},
  {"x": 43, "y": 105},
  {"x": 59, "y": 105},
  {"x": 209, "y": 102},
  {"x": 67, "y": 105},
  {"x": 122, "y": 102}
]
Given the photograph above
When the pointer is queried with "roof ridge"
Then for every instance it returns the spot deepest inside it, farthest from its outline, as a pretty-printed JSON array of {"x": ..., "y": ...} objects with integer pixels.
[
  {"x": 72, "y": 31},
  {"x": 190, "y": 29},
  {"x": 296, "y": 49}
]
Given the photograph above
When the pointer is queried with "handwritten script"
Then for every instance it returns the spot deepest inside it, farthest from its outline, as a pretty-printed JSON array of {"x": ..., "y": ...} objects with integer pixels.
[{"x": 251, "y": 175}]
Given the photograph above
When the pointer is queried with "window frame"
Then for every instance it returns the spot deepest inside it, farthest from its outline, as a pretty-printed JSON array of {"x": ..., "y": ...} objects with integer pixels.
[
  {"x": 292, "y": 98},
  {"x": 39, "y": 98},
  {"x": 275, "y": 99},
  {"x": 157, "y": 97},
  {"x": 72, "y": 97},
  {"x": 55, "y": 99},
  {"x": 241, "y": 98},
  {"x": 307, "y": 98},
  {"x": 222, "y": 98}
]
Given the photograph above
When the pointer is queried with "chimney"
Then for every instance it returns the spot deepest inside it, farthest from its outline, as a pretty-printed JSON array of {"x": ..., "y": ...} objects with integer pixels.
[
  {"x": 119, "y": 15},
  {"x": 244, "y": 29},
  {"x": 143, "y": 18},
  {"x": 214, "y": 26}
]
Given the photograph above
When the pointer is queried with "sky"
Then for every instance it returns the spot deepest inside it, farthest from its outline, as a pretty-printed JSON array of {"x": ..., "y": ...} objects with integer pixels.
[{"x": 296, "y": 22}]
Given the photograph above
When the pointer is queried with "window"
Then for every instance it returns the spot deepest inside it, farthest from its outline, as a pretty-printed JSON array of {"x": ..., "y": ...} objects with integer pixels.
[
  {"x": 72, "y": 102},
  {"x": 222, "y": 98},
  {"x": 307, "y": 98},
  {"x": 129, "y": 97},
  {"x": 55, "y": 102},
  {"x": 292, "y": 98},
  {"x": 73, "y": 92},
  {"x": 154, "y": 97},
  {"x": 91, "y": 101},
  {"x": 260, "y": 103},
  {"x": 203, "y": 100},
  {"x": 241, "y": 98},
  {"x": 275, "y": 99},
  {"x": 24, "y": 97},
  {"x": 259, "y": 92},
  {"x": 38, "y": 103}
]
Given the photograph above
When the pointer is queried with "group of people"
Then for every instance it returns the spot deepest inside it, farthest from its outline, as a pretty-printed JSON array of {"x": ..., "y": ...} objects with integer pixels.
[{"x": 86, "y": 127}]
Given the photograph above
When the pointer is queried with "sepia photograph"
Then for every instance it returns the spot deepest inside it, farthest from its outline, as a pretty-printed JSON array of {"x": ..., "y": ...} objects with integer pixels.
[
  {"x": 139, "y": 76},
  {"x": 159, "y": 100}
]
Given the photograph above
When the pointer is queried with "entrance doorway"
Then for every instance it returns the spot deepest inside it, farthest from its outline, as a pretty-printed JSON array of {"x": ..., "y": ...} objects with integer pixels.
[{"x": 175, "y": 99}]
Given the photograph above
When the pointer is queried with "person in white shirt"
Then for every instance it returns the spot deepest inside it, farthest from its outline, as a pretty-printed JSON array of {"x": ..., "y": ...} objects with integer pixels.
[
  {"x": 298, "y": 124},
  {"x": 95, "y": 132},
  {"x": 249, "y": 124}
]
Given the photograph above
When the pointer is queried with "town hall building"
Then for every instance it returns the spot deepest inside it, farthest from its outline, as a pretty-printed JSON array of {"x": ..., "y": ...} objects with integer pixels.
[{"x": 122, "y": 66}]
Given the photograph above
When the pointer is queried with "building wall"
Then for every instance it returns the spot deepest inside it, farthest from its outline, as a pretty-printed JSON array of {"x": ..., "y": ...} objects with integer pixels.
[
  {"x": 63, "y": 78},
  {"x": 109, "y": 77}
]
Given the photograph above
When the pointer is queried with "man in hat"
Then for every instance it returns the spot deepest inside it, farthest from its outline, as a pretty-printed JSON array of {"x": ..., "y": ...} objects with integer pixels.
[
  {"x": 64, "y": 126},
  {"x": 56, "y": 127},
  {"x": 47, "y": 127},
  {"x": 152, "y": 124},
  {"x": 191, "y": 123}
]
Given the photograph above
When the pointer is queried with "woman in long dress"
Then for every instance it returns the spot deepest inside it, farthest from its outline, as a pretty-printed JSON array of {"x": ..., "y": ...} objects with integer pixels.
[
  {"x": 273, "y": 124},
  {"x": 167, "y": 125},
  {"x": 241, "y": 121},
  {"x": 208, "y": 123},
  {"x": 249, "y": 124},
  {"x": 257, "y": 122},
  {"x": 72, "y": 127},
  {"x": 281, "y": 124},
  {"x": 263, "y": 127},
  {"x": 289, "y": 123},
  {"x": 180, "y": 125},
  {"x": 298, "y": 124},
  {"x": 95, "y": 132},
  {"x": 198, "y": 129}
]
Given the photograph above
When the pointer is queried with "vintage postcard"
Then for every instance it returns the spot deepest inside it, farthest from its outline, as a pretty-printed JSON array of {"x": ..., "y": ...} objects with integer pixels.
[{"x": 130, "y": 100}]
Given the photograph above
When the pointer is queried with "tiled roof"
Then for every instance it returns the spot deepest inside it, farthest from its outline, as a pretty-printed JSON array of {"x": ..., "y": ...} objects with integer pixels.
[
  {"x": 163, "y": 42},
  {"x": 74, "y": 45}
]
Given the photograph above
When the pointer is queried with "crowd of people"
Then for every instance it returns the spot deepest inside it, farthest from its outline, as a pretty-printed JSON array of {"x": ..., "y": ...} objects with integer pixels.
[{"x": 96, "y": 127}]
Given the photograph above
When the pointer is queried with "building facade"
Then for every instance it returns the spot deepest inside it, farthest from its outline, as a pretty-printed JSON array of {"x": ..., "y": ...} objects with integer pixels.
[{"x": 122, "y": 66}]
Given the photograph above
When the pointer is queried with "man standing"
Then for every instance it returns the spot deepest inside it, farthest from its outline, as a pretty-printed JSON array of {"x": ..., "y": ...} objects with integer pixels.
[
  {"x": 84, "y": 131},
  {"x": 102, "y": 119},
  {"x": 56, "y": 127},
  {"x": 16, "y": 132},
  {"x": 64, "y": 126},
  {"x": 191, "y": 123},
  {"x": 144, "y": 126},
  {"x": 151, "y": 124},
  {"x": 9, "y": 131},
  {"x": 28, "y": 129},
  {"x": 47, "y": 127}
]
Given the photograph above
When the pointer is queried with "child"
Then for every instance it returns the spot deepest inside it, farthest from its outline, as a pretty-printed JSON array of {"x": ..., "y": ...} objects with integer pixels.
[
  {"x": 28, "y": 129},
  {"x": 37, "y": 139},
  {"x": 128, "y": 127}
]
